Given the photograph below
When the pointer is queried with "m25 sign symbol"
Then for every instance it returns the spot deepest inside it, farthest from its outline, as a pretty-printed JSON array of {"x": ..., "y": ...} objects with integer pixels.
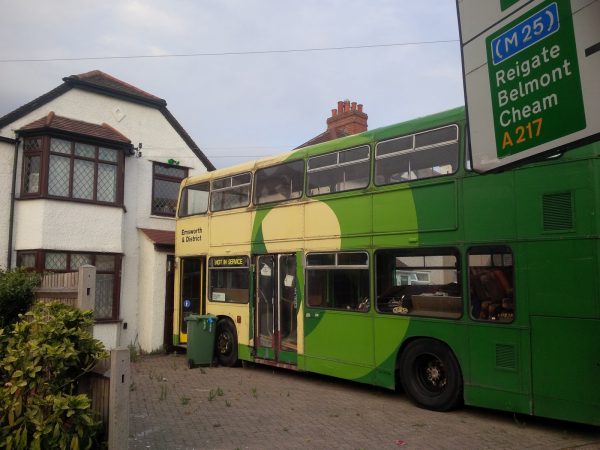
[{"x": 530, "y": 31}]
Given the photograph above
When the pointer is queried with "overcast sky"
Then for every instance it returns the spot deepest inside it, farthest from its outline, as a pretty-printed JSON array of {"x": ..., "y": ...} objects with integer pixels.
[{"x": 240, "y": 107}]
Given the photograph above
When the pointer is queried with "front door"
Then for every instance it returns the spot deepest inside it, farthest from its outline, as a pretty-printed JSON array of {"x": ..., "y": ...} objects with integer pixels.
[
  {"x": 192, "y": 286},
  {"x": 276, "y": 308}
]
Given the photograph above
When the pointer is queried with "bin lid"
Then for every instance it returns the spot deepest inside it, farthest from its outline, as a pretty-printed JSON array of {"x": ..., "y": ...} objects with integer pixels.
[{"x": 197, "y": 317}]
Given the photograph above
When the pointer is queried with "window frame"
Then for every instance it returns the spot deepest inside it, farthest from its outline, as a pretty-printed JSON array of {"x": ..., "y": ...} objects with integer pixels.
[
  {"x": 338, "y": 165},
  {"x": 363, "y": 305},
  {"x": 230, "y": 187},
  {"x": 167, "y": 178},
  {"x": 483, "y": 250},
  {"x": 415, "y": 150},
  {"x": 183, "y": 198},
  {"x": 422, "y": 252},
  {"x": 45, "y": 153},
  {"x": 40, "y": 267},
  {"x": 225, "y": 266},
  {"x": 257, "y": 180}
]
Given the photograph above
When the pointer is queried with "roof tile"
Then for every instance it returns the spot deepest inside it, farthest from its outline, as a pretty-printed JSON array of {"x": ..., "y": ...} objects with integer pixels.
[{"x": 54, "y": 122}]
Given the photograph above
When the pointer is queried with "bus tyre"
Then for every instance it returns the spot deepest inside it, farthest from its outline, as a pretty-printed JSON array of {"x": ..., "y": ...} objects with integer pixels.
[
  {"x": 430, "y": 375},
  {"x": 226, "y": 343}
]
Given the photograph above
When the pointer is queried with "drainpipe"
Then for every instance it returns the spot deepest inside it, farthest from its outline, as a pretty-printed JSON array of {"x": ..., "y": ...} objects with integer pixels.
[{"x": 12, "y": 206}]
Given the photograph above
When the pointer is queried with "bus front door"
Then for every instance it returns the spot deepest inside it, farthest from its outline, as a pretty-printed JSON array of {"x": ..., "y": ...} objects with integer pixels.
[
  {"x": 191, "y": 288},
  {"x": 276, "y": 308}
]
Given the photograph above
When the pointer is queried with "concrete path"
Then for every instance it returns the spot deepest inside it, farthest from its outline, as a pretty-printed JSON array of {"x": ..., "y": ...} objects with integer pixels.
[{"x": 258, "y": 407}]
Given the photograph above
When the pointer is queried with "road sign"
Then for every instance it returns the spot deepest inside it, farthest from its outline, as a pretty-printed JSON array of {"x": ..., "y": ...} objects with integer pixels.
[{"x": 532, "y": 77}]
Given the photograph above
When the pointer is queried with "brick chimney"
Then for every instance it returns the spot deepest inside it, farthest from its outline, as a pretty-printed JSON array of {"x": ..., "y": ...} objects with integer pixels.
[{"x": 348, "y": 118}]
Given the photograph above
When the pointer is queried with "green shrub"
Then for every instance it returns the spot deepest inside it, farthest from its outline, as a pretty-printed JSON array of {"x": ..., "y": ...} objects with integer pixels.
[
  {"x": 16, "y": 294},
  {"x": 43, "y": 357}
]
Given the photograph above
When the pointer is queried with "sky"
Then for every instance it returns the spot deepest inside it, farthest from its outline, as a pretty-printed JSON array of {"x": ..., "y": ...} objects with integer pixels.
[{"x": 262, "y": 100}]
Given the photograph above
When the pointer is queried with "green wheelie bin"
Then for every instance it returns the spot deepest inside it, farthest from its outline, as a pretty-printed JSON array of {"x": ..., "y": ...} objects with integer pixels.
[{"x": 201, "y": 339}]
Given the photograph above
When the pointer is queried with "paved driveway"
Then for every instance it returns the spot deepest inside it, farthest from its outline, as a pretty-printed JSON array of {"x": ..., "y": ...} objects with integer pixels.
[{"x": 258, "y": 407}]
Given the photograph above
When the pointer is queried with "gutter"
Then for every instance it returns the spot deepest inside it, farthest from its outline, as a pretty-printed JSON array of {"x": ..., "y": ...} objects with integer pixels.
[{"x": 12, "y": 207}]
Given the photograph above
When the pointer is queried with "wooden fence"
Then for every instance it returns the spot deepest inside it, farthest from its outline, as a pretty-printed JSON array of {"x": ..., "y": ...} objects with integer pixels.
[
  {"x": 107, "y": 384},
  {"x": 77, "y": 289}
]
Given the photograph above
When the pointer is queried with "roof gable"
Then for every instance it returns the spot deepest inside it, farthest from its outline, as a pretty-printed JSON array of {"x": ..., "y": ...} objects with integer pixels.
[{"x": 102, "y": 83}]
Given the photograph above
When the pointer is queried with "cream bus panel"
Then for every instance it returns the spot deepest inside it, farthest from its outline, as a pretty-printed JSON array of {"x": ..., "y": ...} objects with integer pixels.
[
  {"x": 282, "y": 225},
  {"x": 228, "y": 229},
  {"x": 191, "y": 236}
]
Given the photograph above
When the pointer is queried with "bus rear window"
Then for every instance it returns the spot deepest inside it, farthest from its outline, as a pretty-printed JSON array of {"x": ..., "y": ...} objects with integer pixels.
[{"x": 194, "y": 199}]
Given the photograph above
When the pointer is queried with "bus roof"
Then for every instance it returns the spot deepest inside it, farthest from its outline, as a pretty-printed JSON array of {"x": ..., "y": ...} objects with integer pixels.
[{"x": 378, "y": 134}]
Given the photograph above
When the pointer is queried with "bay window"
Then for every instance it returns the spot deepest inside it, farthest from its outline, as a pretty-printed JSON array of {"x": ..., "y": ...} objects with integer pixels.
[{"x": 64, "y": 169}]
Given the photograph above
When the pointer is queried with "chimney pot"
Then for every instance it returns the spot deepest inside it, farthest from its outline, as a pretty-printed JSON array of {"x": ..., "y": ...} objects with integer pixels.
[
  {"x": 340, "y": 107},
  {"x": 347, "y": 106},
  {"x": 333, "y": 112},
  {"x": 360, "y": 107},
  {"x": 353, "y": 106}
]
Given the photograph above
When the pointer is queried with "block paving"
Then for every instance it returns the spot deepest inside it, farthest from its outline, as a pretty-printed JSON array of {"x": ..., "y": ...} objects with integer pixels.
[{"x": 260, "y": 407}]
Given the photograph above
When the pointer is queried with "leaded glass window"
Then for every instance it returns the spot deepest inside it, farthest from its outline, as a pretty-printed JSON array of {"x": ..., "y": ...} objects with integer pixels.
[
  {"x": 75, "y": 170},
  {"x": 58, "y": 176},
  {"x": 83, "y": 179},
  {"x": 107, "y": 183},
  {"x": 31, "y": 174},
  {"x": 165, "y": 188}
]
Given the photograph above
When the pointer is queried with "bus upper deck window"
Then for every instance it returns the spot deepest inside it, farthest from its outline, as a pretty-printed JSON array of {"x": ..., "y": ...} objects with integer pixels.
[
  {"x": 427, "y": 154},
  {"x": 194, "y": 199}
]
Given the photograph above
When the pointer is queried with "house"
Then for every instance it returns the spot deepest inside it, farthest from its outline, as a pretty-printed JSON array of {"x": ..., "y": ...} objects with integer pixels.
[
  {"x": 346, "y": 120},
  {"x": 89, "y": 174}
]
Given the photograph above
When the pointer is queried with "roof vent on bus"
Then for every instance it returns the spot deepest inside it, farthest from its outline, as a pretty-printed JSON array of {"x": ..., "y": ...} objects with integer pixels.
[{"x": 557, "y": 211}]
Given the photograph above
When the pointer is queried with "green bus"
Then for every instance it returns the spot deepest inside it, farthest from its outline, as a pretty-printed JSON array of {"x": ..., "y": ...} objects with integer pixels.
[{"x": 382, "y": 258}]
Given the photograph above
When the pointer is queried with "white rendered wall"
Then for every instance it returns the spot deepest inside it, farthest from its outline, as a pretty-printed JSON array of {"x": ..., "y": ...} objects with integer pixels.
[
  {"x": 152, "y": 277},
  {"x": 7, "y": 152},
  {"x": 75, "y": 226},
  {"x": 52, "y": 224}
]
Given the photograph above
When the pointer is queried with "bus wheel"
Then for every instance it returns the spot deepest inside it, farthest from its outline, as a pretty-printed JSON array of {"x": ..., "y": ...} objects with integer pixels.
[
  {"x": 430, "y": 375},
  {"x": 226, "y": 343}
]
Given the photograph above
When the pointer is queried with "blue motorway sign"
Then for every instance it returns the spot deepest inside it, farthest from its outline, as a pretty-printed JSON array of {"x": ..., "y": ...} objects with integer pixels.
[{"x": 525, "y": 34}]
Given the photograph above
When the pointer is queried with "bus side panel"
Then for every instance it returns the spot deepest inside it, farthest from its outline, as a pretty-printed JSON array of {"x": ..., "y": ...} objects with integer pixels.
[
  {"x": 562, "y": 278},
  {"x": 437, "y": 210},
  {"x": 565, "y": 376},
  {"x": 390, "y": 332},
  {"x": 489, "y": 208},
  {"x": 339, "y": 343},
  {"x": 499, "y": 369}
]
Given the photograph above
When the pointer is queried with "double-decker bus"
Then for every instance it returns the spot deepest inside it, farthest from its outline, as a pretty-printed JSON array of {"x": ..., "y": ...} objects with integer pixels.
[{"x": 382, "y": 258}]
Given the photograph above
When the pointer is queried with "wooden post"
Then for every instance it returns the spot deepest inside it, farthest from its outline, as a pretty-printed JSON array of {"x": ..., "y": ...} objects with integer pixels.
[
  {"x": 118, "y": 415},
  {"x": 86, "y": 288}
]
